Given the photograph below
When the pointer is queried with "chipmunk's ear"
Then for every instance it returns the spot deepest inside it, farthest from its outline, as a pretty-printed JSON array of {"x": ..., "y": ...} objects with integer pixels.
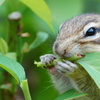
[{"x": 61, "y": 26}]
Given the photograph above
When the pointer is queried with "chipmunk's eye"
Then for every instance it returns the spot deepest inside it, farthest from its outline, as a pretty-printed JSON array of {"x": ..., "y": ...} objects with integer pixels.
[{"x": 91, "y": 31}]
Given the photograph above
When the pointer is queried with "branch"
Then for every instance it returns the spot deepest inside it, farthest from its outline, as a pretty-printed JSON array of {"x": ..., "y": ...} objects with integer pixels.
[{"x": 72, "y": 59}]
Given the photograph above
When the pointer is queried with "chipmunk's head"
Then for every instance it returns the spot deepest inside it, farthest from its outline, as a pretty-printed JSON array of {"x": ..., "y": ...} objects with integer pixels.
[{"x": 79, "y": 35}]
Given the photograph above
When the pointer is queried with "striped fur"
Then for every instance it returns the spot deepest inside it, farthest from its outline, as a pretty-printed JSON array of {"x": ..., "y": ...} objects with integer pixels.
[{"x": 71, "y": 40}]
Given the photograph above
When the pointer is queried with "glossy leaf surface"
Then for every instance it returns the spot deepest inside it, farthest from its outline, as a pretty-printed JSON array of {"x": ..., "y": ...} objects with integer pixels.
[
  {"x": 41, "y": 9},
  {"x": 71, "y": 94},
  {"x": 40, "y": 38},
  {"x": 13, "y": 67},
  {"x": 91, "y": 63}
]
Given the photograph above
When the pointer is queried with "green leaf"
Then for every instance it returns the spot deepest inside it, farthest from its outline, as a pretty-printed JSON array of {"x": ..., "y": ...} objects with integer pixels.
[
  {"x": 13, "y": 67},
  {"x": 11, "y": 55},
  {"x": 3, "y": 46},
  {"x": 91, "y": 63},
  {"x": 1, "y": 2},
  {"x": 40, "y": 38},
  {"x": 41, "y": 9},
  {"x": 71, "y": 94}
]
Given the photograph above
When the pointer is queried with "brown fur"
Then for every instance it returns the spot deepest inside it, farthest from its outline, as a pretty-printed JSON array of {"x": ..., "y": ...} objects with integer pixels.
[{"x": 70, "y": 41}]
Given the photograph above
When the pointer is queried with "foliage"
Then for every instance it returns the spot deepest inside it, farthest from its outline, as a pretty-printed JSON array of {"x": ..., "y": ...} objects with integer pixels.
[
  {"x": 91, "y": 63},
  {"x": 71, "y": 94},
  {"x": 41, "y": 9},
  {"x": 11, "y": 66},
  {"x": 41, "y": 37},
  {"x": 24, "y": 40},
  {"x": 1, "y": 2},
  {"x": 17, "y": 71},
  {"x": 14, "y": 68}
]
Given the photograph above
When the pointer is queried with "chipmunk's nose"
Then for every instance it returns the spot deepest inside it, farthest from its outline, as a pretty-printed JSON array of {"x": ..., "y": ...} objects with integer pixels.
[
  {"x": 64, "y": 50},
  {"x": 59, "y": 50}
]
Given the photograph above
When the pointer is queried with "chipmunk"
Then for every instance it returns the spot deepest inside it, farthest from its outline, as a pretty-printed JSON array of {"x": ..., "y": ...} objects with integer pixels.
[{"x": 78, "y": 35}]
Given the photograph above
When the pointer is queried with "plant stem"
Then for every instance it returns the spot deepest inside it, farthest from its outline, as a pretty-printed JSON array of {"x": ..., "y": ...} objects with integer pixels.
[
  {"x": 19, "y": 49},
  {"x": 25, "y": 89},
  {"x": 15, "y": 30},
  {"x": 73, "y": 59}
]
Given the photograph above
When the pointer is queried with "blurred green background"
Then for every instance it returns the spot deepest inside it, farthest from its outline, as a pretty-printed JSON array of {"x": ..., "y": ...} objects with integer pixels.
[{"x": 40, "y": 85}]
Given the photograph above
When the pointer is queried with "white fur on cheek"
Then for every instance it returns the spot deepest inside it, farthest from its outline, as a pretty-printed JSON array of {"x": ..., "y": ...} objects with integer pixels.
[{"x": 76, "y": 49}]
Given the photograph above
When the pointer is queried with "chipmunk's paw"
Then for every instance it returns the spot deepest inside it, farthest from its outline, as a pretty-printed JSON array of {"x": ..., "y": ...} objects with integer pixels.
[
  {"x": 47, "y": 59},
  {"x": 66, "y": 67}
]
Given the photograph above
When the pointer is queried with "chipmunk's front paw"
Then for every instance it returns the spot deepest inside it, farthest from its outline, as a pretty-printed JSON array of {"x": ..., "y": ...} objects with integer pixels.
[
  {"x": 66, "y": 67},
  {"x": 47, "y": 59}
]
